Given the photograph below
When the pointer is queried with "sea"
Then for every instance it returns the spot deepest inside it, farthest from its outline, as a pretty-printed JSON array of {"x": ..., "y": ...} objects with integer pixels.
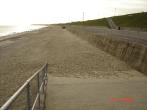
[{"x": 13, "y": 29}]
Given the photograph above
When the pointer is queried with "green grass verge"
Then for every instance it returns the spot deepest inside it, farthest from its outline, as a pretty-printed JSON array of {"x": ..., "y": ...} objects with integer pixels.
[
  {"x": 137, "y": 20},
  {"x": 97, "y": 22},
  {"x": 132, "y": 20}
]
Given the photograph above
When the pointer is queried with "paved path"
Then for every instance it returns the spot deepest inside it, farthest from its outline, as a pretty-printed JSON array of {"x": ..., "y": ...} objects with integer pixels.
[
  {"x": 96, "y": 94},
  {"x": 135, "y": 36},
  {"x": 111, "y": 23}
]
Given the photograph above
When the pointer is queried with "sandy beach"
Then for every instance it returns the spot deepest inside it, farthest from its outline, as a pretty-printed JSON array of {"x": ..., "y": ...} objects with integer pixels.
[{"x": 66, "y": 54}]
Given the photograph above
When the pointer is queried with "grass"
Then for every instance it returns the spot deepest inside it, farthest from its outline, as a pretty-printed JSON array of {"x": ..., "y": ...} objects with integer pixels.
[
  {"x": 132, "y": 20},
  {"x": 96, "y": 22}
]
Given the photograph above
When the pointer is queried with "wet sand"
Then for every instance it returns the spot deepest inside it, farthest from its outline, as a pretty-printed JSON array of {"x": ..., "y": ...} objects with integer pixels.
[{"x": 66, "y": 54}]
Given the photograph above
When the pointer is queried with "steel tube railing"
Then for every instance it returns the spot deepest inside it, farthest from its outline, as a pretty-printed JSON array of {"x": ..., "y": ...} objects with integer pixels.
[
  {"x": 13, "y": 98},
  {"x": 37, "y": 97},
  {"x": 38, "y": 92},
  {"x": 35, "y": 102},
  {"x": 26, "y": 85},
  {"x": 28, "y": 97}
]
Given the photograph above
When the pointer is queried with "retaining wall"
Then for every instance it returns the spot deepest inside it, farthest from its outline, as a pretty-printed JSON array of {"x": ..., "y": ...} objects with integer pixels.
[{"x": 134, "y": 54}]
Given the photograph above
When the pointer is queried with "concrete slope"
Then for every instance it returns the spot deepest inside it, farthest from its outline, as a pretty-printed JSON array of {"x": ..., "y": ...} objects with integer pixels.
[
  {"x": 111, "y": 23},
  {"x": 126, "y": 45},
  {"x": 96, "y": 94}
]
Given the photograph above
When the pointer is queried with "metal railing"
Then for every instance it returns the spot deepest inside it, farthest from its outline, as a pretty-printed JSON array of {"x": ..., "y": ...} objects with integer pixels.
[{"x": 39, "y": 98}]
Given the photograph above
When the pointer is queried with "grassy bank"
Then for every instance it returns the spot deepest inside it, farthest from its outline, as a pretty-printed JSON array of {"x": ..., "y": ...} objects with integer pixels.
[
  {"x": 96, "y": 22},
  {"x": 132, "y": 20},
  {"x": 137, "y": 20}
]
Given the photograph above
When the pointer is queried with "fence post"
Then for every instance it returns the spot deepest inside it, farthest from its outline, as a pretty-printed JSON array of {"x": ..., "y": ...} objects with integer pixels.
[
  {"x": 28, "y": 97},
  {"x": 46, "y": 73},
  {"x": 38, "y": 80},
  {"x": 44, "y": 84},
  {"x": 43, "y": 79}
]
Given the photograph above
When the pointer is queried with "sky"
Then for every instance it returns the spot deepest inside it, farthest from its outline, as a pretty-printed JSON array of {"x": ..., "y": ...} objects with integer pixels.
[{"x": 59, "y": 11}]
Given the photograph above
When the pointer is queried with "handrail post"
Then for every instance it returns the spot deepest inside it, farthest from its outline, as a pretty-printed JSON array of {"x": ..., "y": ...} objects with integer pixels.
[
  {"x": 44, "y": 69},
  {"x": 28, "y": 97},
  {"x": 38, "y": 80},
  {"x": 44, "y": 84}
]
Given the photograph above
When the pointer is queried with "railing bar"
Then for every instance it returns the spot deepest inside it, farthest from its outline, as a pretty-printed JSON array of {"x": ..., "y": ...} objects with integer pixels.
[
  {"x": 8, "y": 103},
  {"x": 38, "y": 90},
  {"x": 35, "y": 101},
  {"x": 36, "y": 73},
  {"x": 38, "y": 94},
  {"x": 28, "y": 97},
  {"x": 14, "y": 96},
  {"x": 40, "y": 87},
  {"x": 44, "y": 101},
  {"x": 44, "y": 81}
]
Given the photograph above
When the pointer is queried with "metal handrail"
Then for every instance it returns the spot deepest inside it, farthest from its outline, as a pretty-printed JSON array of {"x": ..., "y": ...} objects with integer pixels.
[{"x": 26, "y": 85}]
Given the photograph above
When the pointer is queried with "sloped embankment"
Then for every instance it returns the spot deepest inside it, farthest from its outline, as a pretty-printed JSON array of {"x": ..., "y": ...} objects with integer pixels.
[{"x": 134, "y": 54}]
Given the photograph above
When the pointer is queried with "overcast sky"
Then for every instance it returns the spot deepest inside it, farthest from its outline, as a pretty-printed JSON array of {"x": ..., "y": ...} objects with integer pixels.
[{"x": 55, "y": 11}]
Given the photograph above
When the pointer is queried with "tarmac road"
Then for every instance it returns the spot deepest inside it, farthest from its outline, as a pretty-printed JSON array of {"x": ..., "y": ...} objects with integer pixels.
[{"x": 135, "y": 36}]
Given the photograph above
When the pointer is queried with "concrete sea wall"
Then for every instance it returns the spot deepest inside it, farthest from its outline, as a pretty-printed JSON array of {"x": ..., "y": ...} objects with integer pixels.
[{"x": 134, "y": 54}]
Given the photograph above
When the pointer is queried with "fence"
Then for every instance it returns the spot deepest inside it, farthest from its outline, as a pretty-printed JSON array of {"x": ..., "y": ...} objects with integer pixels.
[{"x": 33, "y": 100}]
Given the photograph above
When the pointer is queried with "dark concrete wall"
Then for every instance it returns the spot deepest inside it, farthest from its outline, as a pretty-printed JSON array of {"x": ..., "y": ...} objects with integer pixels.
[{"x": 132, "y": 53}]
